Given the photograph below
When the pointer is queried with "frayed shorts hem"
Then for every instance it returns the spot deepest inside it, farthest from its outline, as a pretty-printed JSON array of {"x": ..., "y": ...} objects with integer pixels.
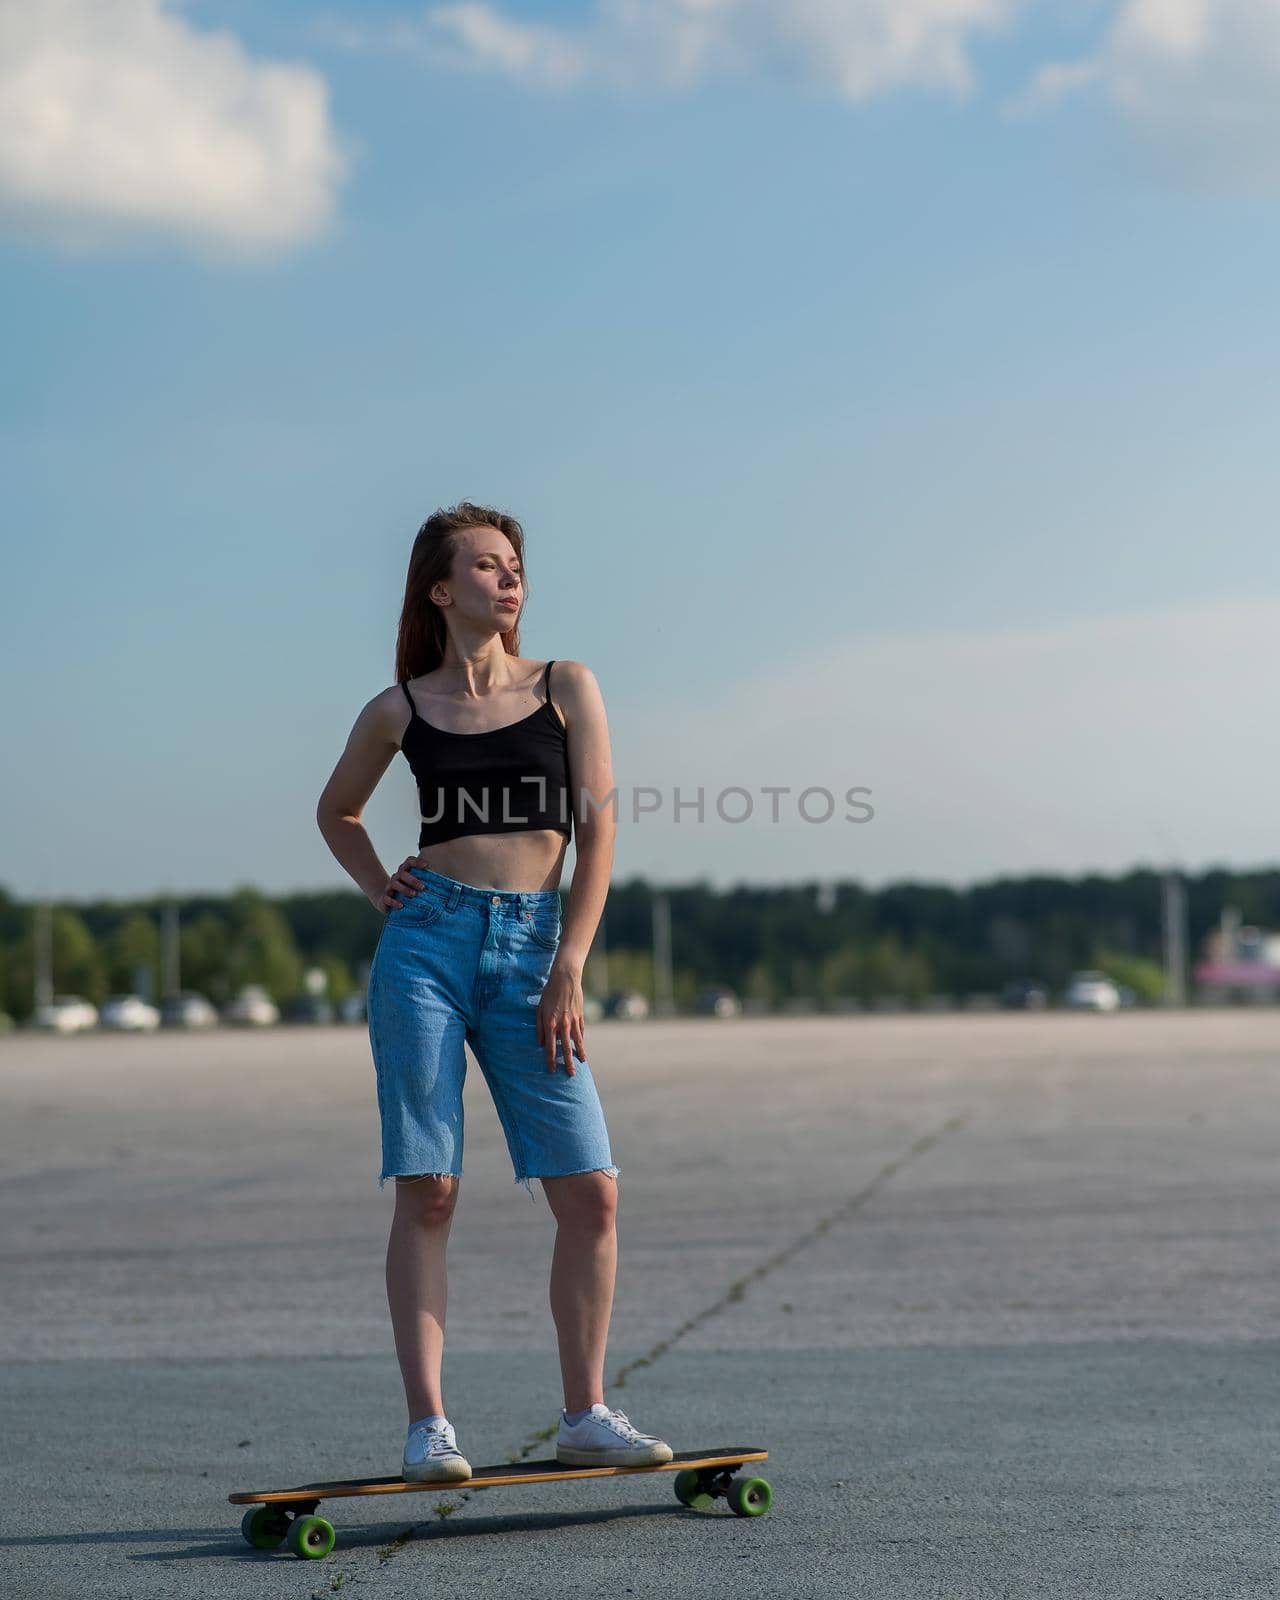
[
  {"x": 413, "y": 1176},
  {"x": 528, "y": 1181}
]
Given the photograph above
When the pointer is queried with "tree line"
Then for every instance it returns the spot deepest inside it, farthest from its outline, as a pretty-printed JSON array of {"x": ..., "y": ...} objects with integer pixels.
[{"x": 774, "y": 945}]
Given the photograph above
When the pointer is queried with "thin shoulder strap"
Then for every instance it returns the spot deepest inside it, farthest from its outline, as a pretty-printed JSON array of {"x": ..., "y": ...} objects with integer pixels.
[
  {"x": 555, "y": 716},
  {"x": 404, "y": 685}
]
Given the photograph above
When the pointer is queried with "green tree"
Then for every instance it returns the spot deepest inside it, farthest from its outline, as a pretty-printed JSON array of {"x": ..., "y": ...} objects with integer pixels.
[
  {"x": 134, "y": 943},
  {"x": 203, "y": 946},
  {"x": 1145, "y": 978},
  {"x": 261, "y": 948},
  {"x": 77, "y": 963},
  {"x": 840, "y": 974},
  {"x": 917, "y": 974},
  {"x": 884, "y": 970},
  {"x": 339, "y": 981},
  {"x": 631, "y": 969},
  {"x": 761, "y": 985}
]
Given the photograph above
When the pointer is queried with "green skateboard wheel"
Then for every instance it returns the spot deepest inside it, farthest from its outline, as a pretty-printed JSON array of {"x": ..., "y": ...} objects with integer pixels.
[
  {"x": 690, "y": 1490},
  {"x": 749, "y": 1497},
  {"x": 311, "y": 1537},
  {"x": 264, "y": 1527}
]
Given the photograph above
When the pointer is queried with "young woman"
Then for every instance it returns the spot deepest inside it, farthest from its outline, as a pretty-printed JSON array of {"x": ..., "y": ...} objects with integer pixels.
[{"x": 508, "y": 760}]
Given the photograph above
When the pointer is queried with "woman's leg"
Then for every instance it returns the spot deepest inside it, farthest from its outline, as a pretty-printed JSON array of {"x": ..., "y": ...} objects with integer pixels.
[
  {"x": 417, "y": 1290},
  {"x": 583, "y": 1268}
]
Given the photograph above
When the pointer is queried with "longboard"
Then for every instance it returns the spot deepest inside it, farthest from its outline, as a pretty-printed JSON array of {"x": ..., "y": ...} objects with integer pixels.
[{"x": 287, "y": 1516}]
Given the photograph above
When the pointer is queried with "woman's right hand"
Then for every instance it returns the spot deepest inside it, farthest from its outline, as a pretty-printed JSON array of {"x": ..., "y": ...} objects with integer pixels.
[{"x": 401, "y": 883}]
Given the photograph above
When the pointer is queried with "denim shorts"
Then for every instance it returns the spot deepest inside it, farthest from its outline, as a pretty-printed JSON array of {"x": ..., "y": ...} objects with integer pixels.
[{"x": 455, "y": 965}]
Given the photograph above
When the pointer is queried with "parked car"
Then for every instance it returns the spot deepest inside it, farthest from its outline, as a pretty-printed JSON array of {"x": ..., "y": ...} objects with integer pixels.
[
  {"x": 252, "y": 1007},
  {"x": 718, "y": 1000},
  {"x": 628, "y": 1005},
  {"x": 1091, "y": 991},
  {"x": 129, "y": 1013},
  {"x": 187, "y": 1009},
  {"x": 1025, "y": 994},
  {"x": 66, "y": 1013},
  {"x": 353, "y": 1007},
  {"x": 308, "y": 1008}
]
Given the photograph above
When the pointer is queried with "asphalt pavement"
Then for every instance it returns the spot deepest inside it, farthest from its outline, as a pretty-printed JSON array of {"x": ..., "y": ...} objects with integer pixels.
[{"x": 998, "y": 1293}]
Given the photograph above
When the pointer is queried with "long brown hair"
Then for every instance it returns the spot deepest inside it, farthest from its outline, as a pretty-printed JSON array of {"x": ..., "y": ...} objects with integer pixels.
[{"x": 422, "y": 636}]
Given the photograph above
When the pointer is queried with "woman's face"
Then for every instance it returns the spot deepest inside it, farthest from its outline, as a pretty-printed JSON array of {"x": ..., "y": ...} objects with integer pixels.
[{"x": 486, "y": 578}]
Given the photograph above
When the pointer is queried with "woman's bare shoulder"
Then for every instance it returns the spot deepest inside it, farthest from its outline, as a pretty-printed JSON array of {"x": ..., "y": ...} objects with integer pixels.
[
  {"x": 387, "y": 713},
  {"x": 575, "y": 691},
  {"x": 574, "y": 671}
]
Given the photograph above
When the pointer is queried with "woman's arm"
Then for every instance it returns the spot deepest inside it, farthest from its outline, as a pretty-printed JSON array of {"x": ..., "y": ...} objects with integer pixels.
[
  {"x": 371, "y": 748},
  {"x": 594, "y": 810},
  {"x": 595, "y": 827}
]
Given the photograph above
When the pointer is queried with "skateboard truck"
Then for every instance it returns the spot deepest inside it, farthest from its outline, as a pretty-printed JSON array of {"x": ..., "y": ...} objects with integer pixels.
[{"x": 697, "y": 1487}]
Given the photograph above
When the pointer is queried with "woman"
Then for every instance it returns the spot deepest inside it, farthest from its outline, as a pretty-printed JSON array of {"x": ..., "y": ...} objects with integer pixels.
[{"x": 472, "y": 949}]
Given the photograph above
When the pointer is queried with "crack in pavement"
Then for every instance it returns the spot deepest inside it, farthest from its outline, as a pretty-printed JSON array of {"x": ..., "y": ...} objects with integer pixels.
[{"x": 733, "y": 1294}]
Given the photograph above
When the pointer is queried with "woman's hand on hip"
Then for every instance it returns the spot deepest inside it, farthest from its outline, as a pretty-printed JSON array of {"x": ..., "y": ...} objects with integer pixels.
[{"x": 401, "y": 882}]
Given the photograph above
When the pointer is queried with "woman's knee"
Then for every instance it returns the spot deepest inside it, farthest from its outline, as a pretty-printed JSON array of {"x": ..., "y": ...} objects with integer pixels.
[
  {"x": 427, "y": 1198},
  {"x": 587, "y": 1200}
]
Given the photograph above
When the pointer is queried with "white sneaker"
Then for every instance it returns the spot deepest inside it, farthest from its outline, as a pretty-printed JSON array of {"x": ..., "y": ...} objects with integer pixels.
[
  {"x": 605, "y": 1438},
  {"x": 431, "y": 1455}
]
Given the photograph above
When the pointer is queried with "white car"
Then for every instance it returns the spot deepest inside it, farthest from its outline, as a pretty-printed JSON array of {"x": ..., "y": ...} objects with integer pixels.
[
  {"x": 252, "y": 1006},
  {"x": 718, "y": 1000},
  {"x": 627, "y": 1005},
  {"x": 66, "y": 1013},
  {"x": 129, "y": 1012},
  {"x": 188, "y": 1009},
  {"x": 1091, "y": 991}
]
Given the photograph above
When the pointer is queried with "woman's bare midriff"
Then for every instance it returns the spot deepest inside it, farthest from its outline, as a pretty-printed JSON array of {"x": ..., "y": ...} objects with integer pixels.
[{"x": 527, "y": 861}]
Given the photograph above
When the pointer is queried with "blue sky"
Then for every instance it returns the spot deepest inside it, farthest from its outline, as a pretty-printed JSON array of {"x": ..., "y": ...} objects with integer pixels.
[{"x": 888, "y": 394}]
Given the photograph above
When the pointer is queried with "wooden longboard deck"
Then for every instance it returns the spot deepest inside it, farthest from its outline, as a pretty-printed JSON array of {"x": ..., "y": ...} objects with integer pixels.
[{"x": 487, "y": 1477}]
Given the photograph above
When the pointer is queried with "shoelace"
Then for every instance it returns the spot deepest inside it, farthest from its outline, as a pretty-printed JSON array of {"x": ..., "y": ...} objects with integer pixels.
[
  {"x": 624, "y": 1428},
  {"x": 437, "y": 1441}
]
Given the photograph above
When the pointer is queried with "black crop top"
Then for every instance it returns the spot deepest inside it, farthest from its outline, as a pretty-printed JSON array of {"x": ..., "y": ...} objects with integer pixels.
[{"x": 502, "y": 780}]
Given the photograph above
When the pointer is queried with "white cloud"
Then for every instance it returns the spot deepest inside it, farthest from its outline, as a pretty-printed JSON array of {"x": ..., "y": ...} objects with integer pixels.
[
  {"x": 1198, "y": 79},
  {"x": 852, "y": 48},
  {"x": 117, "y": 115},
  {"x": 1054, "y": 83},
  {"x": 1094, "y": 743},
  {"x": 482, "y": 37}
]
